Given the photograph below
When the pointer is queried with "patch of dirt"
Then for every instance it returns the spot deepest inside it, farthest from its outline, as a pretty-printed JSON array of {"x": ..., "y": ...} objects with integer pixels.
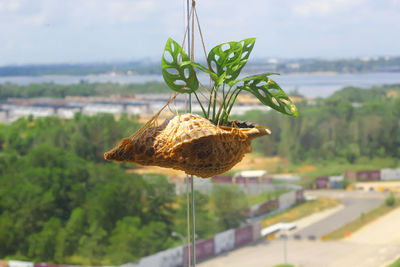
[
  {"x": 158, "y": 170},
  {"x": 306, "y": 168},
  {"x": 258, "y": 162}
]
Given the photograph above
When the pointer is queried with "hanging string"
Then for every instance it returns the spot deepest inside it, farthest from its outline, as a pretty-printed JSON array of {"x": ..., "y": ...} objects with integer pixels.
[
  {"x": 211, "y": 96},
  {"x": 189, "y": 33},
  {"x": 193, "y": 221},
  {"x": 190, "y": 236}
]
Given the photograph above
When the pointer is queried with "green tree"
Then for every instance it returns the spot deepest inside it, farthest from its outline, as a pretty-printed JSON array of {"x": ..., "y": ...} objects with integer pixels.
[
  {"x": 42, "y": 244},
  {"x": 131, "y": 240},
  {"x": 205, "y": 223},
  {"x": 230, "y": 205}
]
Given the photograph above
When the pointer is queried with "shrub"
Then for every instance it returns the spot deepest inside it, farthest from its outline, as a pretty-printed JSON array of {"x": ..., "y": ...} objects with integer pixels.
[{"x": 390, "y": 200}]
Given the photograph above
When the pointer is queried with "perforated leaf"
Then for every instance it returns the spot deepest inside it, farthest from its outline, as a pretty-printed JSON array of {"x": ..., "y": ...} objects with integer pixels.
[
  {"x": 247, "y": 47},
  {"x": 270, "y": 94},
  {"x": 179, "y": 77},
  {"x": 202, "y": 68},
  {"x": 256, "y": 76},
  {"x": 224, "y": 60}
]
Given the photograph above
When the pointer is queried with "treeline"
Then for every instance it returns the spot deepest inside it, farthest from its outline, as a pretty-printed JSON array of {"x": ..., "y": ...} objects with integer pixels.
[
  {"x": 61, "y": 202},
  {"x": 351, "y": 124},
  {"x": 80, "y": 69},
  {"x": 354, "y": 65},
  {"x": 82, "y": 89}
]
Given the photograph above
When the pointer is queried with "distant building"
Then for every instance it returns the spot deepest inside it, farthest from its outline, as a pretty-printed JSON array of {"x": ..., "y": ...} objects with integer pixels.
[
  {"x": 251, "y": 174},
  {"x": 92, "y": 109},
  {"x": 67, "y": 112},
  {"x": 3, "y": 116},
  {"x": 24, "y": 111}
]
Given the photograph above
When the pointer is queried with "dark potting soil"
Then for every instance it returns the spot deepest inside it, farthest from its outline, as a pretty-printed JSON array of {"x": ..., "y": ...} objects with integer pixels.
[{"x": 240, "y": 124}]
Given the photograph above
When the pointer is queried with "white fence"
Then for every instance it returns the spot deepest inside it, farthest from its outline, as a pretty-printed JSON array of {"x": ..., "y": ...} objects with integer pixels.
[
  {"x": 20, "y": 264},
  {"x": 390, "y": 174},
  {"x": 287, "y": 200},
  {"x": 167, "y": 258},
  {"x": 224, "y": 241}
]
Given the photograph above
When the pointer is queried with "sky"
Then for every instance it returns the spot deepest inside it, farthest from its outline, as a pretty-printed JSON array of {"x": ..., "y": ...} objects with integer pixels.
[{"x": 77, "y": 31}]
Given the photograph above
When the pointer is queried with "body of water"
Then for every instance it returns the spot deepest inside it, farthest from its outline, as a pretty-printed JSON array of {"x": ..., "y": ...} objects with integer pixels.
[{"x": 310, "y": 85}]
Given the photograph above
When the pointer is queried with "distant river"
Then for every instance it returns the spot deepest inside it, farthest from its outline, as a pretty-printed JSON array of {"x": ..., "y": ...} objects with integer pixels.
[{"x": 310, "y": 85}]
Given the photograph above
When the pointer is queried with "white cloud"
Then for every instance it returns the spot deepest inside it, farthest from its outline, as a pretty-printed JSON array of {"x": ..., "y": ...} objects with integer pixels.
[
  {"x": 309, "y": 8},
  {"x": 111, "y": 12},
  {"x": 78, "y": 12},
  {"x": 62, "y": 30},
  {"x": 7, "y": 5},
  {"x": 396, "y": 3}
]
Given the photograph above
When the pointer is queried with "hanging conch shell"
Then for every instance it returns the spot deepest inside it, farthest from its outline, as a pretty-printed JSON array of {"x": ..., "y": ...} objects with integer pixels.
[{"x": 190, "y": 143}]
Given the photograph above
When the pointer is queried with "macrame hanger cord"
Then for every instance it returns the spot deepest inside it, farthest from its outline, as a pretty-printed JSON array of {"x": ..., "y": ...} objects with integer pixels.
[{"x": 211, "y": 96}]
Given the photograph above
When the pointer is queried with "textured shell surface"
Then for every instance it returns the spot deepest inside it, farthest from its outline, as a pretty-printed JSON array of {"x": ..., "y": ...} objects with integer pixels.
[
  {"x": 190, "y": 143},
  {"x": 187, "y": 128}
]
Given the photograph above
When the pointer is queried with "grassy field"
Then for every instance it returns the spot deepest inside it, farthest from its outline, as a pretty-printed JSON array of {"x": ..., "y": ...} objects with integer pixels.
[
  {"x": 395, "y": 264},
  {"x": 256, "y": 199},
  {"x": 361, "y": 221},
  {"x": 276, "y": 165},
  {"x": 301, "y": 210},
  {"x": 340, "y": 166}
]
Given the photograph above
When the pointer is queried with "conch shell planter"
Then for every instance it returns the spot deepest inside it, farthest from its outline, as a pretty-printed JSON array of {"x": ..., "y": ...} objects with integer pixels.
[{"x": 190, "y": 143}]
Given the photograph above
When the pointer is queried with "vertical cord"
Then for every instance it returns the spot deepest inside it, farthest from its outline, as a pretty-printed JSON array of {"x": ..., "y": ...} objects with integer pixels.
[
  {"x": 189, "y": 52},
  {"x": 193, "y": 235},
  {"x": 193, "y": 223},
  {"x": 188, "y": 217},
  {"x": 187, "y": 176}
]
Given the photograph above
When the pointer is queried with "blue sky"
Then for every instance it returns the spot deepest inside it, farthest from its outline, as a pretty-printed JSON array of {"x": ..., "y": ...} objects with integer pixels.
[{"x": 56, "y": 31}]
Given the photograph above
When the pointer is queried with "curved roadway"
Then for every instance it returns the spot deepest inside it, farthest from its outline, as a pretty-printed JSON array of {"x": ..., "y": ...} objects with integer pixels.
[
  {"x": 355, "y": 204},
  {"x": 307, "y": 253}
]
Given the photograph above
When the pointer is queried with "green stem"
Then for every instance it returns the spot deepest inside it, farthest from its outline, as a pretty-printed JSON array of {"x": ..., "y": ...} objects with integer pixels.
[
  {"x": 222, "y": 107},
  {"x": 231, "y": 102},
  {"x": 214, "y": 104},
  {"x": 230, "y": 97},
  {"x": 234, "y": 100},
  {"x": 209, "y": 101},
  {"x": 198, "y": 100}
]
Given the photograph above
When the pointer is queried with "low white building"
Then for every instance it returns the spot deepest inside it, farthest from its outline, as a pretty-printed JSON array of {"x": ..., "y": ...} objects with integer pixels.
[
  {"x": 137, "y": 109},
  {"x": 24, "y": 111},
  {"x": 67, "y": 113},
  {"x": 251, "y": 173},
  {"x": 3, "y": 116},
  {"x": 289, "y": 178},
  {"x": 92, "y": 109}
]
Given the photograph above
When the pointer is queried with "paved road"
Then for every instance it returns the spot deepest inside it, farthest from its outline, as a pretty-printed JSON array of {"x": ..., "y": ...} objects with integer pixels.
[
  {"x": 355, "y": 203},
  {"x": 384, "y": 230},
  {"x": 305, "y": 253},
  {"x": 308, "y": 254}
]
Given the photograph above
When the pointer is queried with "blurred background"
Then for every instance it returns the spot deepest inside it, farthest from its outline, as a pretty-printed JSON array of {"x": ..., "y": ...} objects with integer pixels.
[{"x": 322, "y": 190}]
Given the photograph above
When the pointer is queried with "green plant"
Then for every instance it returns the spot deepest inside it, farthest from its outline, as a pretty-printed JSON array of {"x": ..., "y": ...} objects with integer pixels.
[
  {"x": 395, "y": 264},
  {"x": 346, "y": 183},
  {"x": 224, "y": 64},
  {"x": 390, "y": 200}
]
